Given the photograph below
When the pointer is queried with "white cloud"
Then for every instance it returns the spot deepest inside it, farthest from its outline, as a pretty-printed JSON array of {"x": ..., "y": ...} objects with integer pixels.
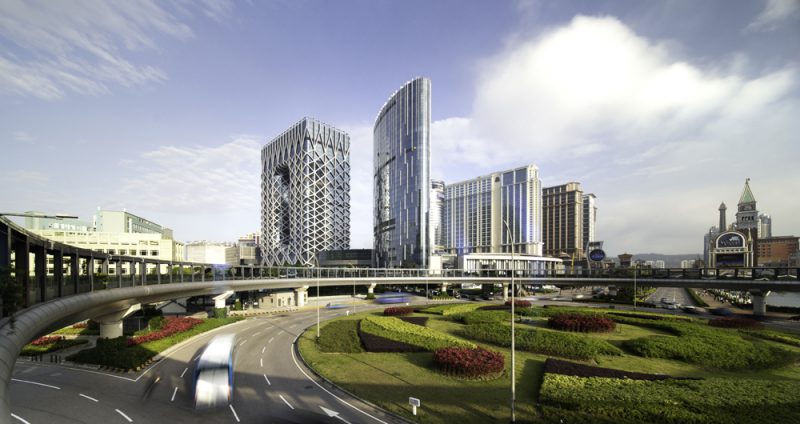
[
  {"x": 81, "y": 46},
  {"x": 775, "y": 13},
  {"x": 195, "y": 180},
  {"x": 657, "y": 138},
  {"x": 23, "y": 137}
]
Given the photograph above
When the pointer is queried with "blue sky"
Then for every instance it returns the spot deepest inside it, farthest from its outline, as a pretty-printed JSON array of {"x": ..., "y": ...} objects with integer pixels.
[{"x": 661, "y": 109}]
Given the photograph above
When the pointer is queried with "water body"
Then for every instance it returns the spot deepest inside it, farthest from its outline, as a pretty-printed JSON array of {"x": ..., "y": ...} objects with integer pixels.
[{"x": 784, "y": 299}]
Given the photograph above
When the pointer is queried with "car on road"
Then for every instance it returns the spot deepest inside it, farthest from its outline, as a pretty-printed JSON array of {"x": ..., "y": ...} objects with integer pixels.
[
  {"x": 690, "y": 309},
  {"x": 725, "y": 312},
  {"x": 336, "y": 305}
]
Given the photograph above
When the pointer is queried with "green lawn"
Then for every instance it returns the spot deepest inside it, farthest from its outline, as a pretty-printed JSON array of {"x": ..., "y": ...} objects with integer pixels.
[{"x": 388, "y": 379}]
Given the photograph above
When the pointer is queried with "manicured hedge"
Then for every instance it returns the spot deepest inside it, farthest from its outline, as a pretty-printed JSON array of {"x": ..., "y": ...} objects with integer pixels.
[
  {"x": 735, "y": 322},
  {"x": 541, "y": 341},
  {"x": 340, "y": 337},
  {"x": 169, "y": 326},
  {"x": 583, "y": 323},
  {"x": 397, "y": 311},
  {"x": 484, "y": 316},
  {"x": 696, "y": 298},
  {"x": 776, "y": 336},
  {"x": 714, "y": 400},
  {"x": 452, "y": 308},
  {"x": 519, "y": 303},
  {"x": 469, "y": 363},
  {"x": 373, "y": 343},
  {"x": 395, "y": 329},
  {"x": 49, "y": 344}
]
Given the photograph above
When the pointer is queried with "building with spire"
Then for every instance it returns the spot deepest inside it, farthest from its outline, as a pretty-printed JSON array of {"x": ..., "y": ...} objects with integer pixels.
[{"x": 735, "y": 246}]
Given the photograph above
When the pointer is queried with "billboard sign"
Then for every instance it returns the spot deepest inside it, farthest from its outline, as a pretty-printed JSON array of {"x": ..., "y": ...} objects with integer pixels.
[{"x": 597, "y": 255}]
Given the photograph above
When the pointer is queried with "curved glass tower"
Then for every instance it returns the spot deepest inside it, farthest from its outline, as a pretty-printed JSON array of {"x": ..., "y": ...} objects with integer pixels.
[{"x": 401, "y": 179}]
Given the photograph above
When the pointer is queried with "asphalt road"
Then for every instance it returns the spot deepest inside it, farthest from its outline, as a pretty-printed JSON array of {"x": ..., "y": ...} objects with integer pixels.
[
  {"x": 672, "y": 294},
  {"x": 271, "y": 385}
]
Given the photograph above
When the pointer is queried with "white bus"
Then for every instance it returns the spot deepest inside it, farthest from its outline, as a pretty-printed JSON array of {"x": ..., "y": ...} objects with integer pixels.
[{"x": 213, "y": 374}]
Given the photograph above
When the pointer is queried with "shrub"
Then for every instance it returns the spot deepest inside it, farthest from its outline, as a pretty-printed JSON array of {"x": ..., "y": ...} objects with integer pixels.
[
  {"x": 484, "y": 316},
  {"x": 370, "y": 296},
  {"x": 713, "y": 400},
  {"x": 735, "y": 322},
  {"x": 220, "y": 313},
  {"x": 156, "y": 323},
  {"x": 80, "y": 325},
  {"x": 558, "y": 366},
  {"x": 170, "y": 327},
  {"x": 581, "y": 323},
  {"x": 340, "y": 337},
  {"x": 519, "y": 303},
  {"x": 541, "y": 341},
  {"x": 776, "y": 336},
  {"x": 46, "y": 340},
  {"x": 394, "y": 329},
  {"x": 470, "y": 363},
  {"x": 451, "y": 309},
  {"x": 51, "y": 346},
  {"x": 398, "y": 310}
]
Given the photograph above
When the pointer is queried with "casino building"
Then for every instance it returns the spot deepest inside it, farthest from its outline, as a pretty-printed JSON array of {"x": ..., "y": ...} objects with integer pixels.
[{"x": 736, "y": 246}]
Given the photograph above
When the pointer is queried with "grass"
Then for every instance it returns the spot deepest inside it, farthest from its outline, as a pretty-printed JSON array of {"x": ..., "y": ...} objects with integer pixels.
[{"x": 388, "y": 379}]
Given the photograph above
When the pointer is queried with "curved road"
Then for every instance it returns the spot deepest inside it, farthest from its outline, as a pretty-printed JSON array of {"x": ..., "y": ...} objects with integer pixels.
[{"x": 271, "y": 385}]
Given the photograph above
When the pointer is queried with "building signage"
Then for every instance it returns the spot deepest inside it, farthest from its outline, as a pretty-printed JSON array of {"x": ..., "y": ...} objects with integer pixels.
[
  {"x": 597, "y": 255},
  {"x": 730, "y": 240}
]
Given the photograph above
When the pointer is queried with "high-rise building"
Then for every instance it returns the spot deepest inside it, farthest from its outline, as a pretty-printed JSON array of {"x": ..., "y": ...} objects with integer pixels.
[
  {"x": 401, "y": 151},
  {"x": 589, "y": 218},
  {"x": 777, "y": 251},
  {"x": 436, "y": 215},
  {"x": 250, "y": 249},
  {"x": 476, "y": 212},
  {"x": 764, "y": 226},
  {"x": 305, "y": 193},
  {"x": 736, "y": 245},
  {"x": 563, "y": 220}
]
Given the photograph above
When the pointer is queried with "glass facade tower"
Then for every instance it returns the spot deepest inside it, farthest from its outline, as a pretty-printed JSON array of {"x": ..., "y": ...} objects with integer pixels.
[
  {"x": 305, "y": 193},
  {"x": 401, "y": 179}
]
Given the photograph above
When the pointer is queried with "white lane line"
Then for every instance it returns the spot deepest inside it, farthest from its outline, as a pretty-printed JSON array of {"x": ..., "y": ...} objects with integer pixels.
[
  {"x": 38, "y": 384},
  {"x": 173, "y": 394},
  {"x": 234, "y": 413},
  {"x": 196, "y": 358},
  {"x": 270, "y": 340},
  {"x": 20, "y": 418},
  {"x": 263, "y": 349},
  {"x": 291, "y": 349},
  {"x": 265, "y": 378},
  {"x": 184, "y": 372},
  {"x": 261, "y": 361},
  {"x": 243, "y": 342},
  {"x": 280, "y": 332},
  {"x": 256, "y": 333},
  {"x": 286, "y": 402},
  {"x": 124, "y": 416},
  {"x": 88, "y": 397}
]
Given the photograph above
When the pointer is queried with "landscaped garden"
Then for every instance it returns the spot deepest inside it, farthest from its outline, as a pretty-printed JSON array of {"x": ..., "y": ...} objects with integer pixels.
[
  {"x": 603, "y": 365},
  {"x": 132, "y": 352}
]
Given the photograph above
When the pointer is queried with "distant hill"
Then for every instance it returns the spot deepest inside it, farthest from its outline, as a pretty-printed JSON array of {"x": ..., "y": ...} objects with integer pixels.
[{"x": 670, "y": 261}]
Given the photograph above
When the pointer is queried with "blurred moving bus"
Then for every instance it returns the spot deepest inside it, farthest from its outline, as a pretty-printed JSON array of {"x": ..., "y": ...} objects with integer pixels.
[
  {"x": 393, "y": 298},
  {"x": 213, "y": 375}
]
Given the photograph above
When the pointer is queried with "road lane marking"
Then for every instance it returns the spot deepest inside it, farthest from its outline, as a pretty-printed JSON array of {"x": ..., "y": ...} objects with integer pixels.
[
  {"x": 124, "y": 416},
  {"x": 333, "y": 414},
  {"x": 20, "y": 418},
  {"x": 243, "y": 342},
  {"x": 263, "y": 349},
  {"x": 286, "y": 402},
  {"x": 234, "y": 413},
  {"x": 265, "y": 378},
  {"x": 256, "y": 333},
  {"x": 280, "y": 332},
  {"x": 184, "y": 372},
  {"x": 270, "y": 340},
  {"x": 33, "y": 382},
  {"x": 89, "y": 397},
  {"x": 291, "y": 349},
  {"x": 261, "y": 361},
  {"x": 173, "y": 394}
]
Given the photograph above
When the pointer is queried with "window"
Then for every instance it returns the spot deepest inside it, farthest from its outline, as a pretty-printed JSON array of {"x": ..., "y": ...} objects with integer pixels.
[
  {"x": 143, "y": 253},
  {"x": 154, "y": 253}
]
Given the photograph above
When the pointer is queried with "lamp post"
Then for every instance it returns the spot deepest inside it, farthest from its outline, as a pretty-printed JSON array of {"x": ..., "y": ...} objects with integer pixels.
[
  {"x": 513, "y": 356},
  {"x": 317, "y": 300},
  {"x": 635, "y": 269}
]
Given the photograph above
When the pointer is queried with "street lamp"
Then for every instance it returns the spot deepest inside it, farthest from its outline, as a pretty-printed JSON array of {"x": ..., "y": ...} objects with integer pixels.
[
  {"x": 513, "y": 356},
  {"x": 635, "y": 269}
]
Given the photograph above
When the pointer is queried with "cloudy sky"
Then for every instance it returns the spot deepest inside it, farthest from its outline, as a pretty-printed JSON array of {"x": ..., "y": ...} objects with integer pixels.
[{"x": 661, "y": 109}]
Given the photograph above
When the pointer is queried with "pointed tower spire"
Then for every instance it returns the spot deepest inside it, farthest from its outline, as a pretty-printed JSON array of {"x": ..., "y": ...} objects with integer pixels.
[
  {"x": 747, "y": 195},
  {"x": 722, "y": 219}
]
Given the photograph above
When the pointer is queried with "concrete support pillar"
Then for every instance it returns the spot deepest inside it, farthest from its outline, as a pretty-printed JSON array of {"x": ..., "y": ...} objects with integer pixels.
[
  {"x": 759, "y": 298},
  {"x": 443, "y": 288},
  {"x": 40, "y": 271},
  {"x": 219, "y": 300},
  {"x": 58, "y": 272},
  {"x": 505, "y": 292},
  {"x": 111, "y": 324},
  {"x": 301, "y": 296},
  {"x": 371, "y": 288}
]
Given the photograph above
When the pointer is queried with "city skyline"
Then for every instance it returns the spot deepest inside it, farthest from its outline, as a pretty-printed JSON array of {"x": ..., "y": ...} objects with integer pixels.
[{"x": 163, "y": 110}]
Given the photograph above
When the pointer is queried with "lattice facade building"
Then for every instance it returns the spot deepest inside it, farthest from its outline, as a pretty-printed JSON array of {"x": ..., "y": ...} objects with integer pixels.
[{"x": 305, "y": 193}]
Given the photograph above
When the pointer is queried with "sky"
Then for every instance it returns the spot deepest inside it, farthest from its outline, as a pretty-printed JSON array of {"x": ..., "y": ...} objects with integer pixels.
[{"x": 661, "y": 109}]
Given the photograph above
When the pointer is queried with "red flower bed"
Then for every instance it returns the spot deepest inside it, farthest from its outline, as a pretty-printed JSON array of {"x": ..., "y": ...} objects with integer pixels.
[
  {"x": 519, "y": 303},
  {"x": 398, "y": 310},
  {"x": 171, "y": 326},
  {"x": 80, "y": 325},
  {"x": 582, "y": 323},
  {"x": 466, "y": 362},
  {"x": 735, "y": 322},
  {"x": 46, "y": 340}
]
